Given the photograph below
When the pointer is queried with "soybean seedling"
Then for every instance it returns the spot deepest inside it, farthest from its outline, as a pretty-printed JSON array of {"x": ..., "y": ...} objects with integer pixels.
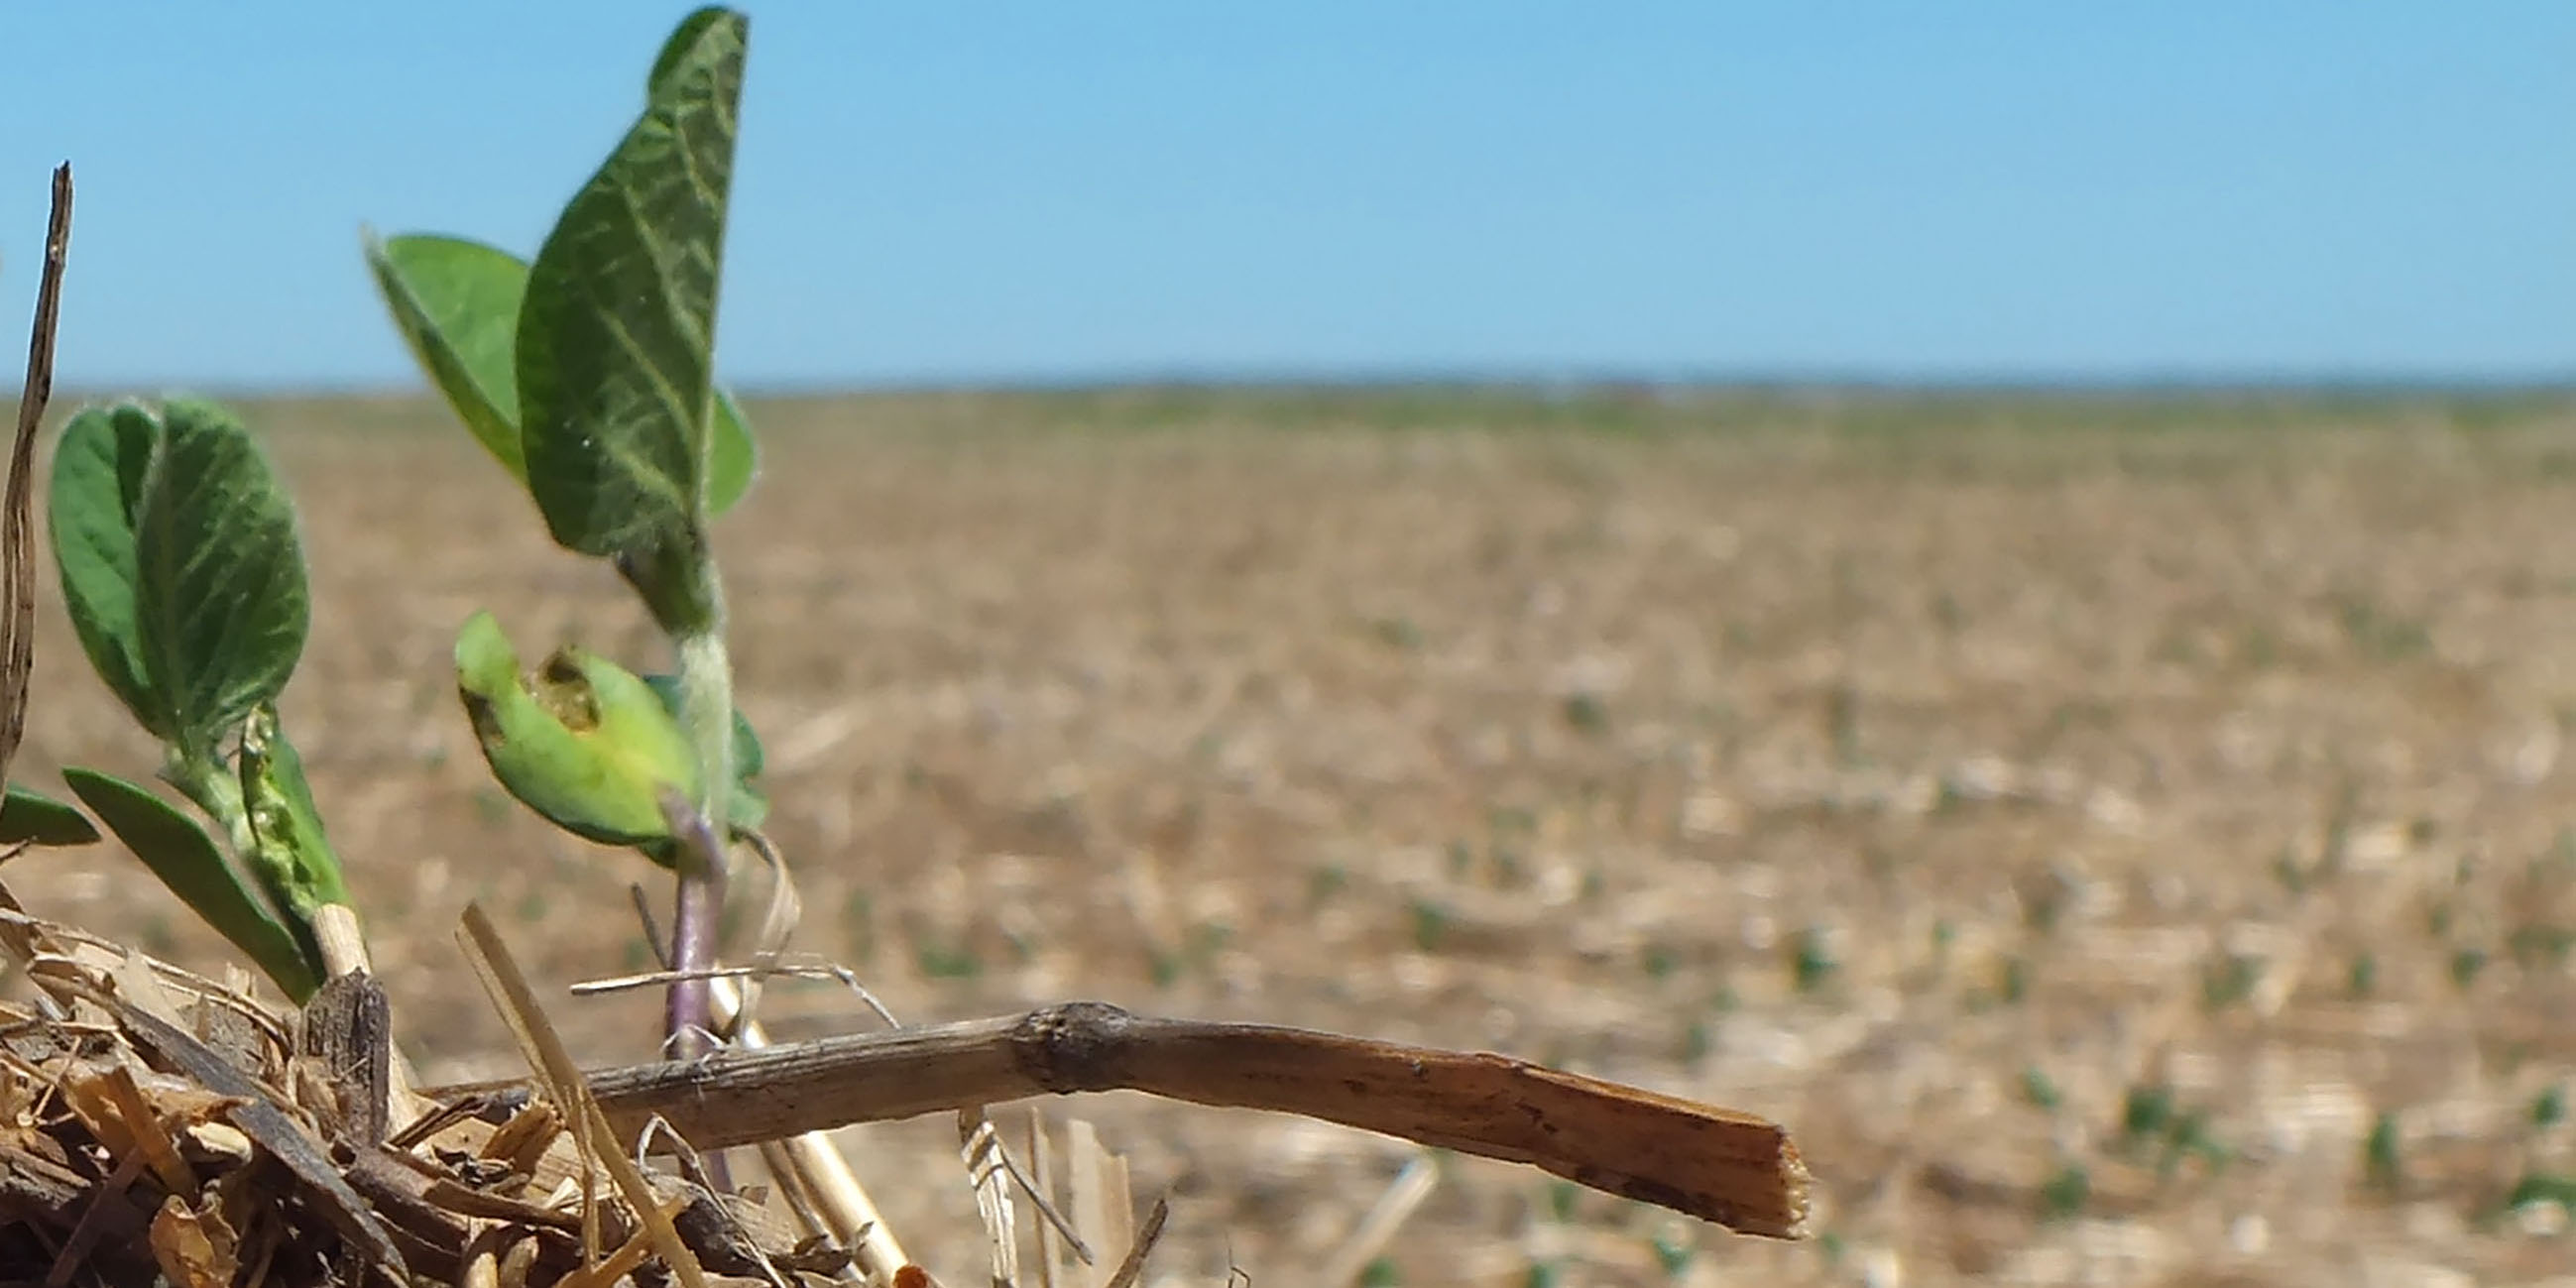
[
  {"x": 588, "y": 374},
  {"x": 185, "y": 583}
]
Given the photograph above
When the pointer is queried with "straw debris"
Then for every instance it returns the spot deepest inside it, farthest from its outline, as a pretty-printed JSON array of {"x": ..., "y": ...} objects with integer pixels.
[{"x": 161, "y": 1124}]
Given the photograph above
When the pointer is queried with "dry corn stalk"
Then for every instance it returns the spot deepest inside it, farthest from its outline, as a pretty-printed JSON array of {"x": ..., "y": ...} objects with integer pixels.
[{"x": 1732, "y": 1168}]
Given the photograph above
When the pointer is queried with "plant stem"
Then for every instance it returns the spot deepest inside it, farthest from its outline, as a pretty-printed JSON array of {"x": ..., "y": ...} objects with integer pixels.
[
  {"x": 706, "y": 712},
  {"x": 689, "y": 1010},
  {"x": 704, "y": 831},
  {"x": 689, "y": 1015},
  {"x": 218, "y": 794},
  {"x": 215, "y": 793}
]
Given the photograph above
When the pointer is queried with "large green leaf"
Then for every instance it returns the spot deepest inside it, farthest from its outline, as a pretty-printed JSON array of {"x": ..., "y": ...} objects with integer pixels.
[
  {"x": 93, "y": 505},
  {"x": 34, "y": 818},
  {"x": 617, "y": 333},
  {"x": 220, "y": 589},
  {"x": 457, "y": 305},
  {"x": 180, "y": 853},
  {"x": 180, "y": 565}
]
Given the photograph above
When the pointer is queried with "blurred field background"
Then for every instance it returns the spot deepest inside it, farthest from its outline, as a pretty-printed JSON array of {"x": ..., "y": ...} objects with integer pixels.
[{"x": 2128, "y": 838}]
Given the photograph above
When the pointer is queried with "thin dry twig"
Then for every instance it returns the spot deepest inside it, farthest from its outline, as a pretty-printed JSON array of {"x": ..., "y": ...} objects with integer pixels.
[
  {"x": 778, "y": 920},
  {"x": 1041, "y": 1178},
  {"x": 1034, "y": 1188},
  {"x": 980, "y": 1146},
  {"x": 694, "y": 1166},
  {"x": 1102, "y": 1204},
  {"x": 548, "y": 1059},
  {"x": 1147, "y": 1235},
  {"x": 17, "y": 508},
  {"x": 804, "y": 969},
  {"x": 1378, "y": 1228},
  {"x": 76, "y": 1248}
]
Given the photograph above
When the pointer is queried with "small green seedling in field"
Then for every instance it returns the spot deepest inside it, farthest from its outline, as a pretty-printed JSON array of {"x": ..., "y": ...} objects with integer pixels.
[
  {"x": 588, "y": 373},
  {"x": 2015, "y": 984},
  {"x": 1696, "y": 1042},
  {"x": 2191, "y": 1138},
  {"x": 1673, "y": 1252},
  {"x": 2382, "y": 1162},
  {"x": 859, "y": 925},
  {"x": 2543, "y": 1189},
  {"x": 1325, "y": 882},
  {"x": 2147, "y": 1111},
  {"x": 2039, "y": 1089},
  {"x": 2286, "y": 870},
  {"x": 1431, "y": 923},
  {"x": 2064, "y": 1196},
  {"x": 2229, "y": 980},
  {"x": 2466, "y": 965},
  {"x": 2541, "y": 945},
  {"x": 1811, "y": 959},
  {"x": 185, "y": 583},
  {"x": 948, "y": 961},
  {"x": 1587, "y": 713}
]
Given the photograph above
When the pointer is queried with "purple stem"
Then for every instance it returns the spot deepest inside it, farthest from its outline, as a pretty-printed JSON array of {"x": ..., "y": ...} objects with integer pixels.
[
  {"x": 689, "y": 1017},
  {"x": 690, "y": 1013}
]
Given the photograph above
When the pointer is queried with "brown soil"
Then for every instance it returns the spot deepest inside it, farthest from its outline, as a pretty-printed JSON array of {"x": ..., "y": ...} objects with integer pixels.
[{"x": 1876, "y": 767}]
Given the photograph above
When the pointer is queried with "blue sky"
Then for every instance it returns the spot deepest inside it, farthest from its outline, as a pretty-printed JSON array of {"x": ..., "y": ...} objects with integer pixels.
[{"x": 1051, "y": 192}]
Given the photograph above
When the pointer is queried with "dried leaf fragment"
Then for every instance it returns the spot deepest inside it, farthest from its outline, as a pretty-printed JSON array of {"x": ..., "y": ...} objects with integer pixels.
[{"x": 195, "y": 1249}]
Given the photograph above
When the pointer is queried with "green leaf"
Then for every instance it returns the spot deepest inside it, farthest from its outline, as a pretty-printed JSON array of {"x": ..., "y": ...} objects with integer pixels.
[
  {"x": 93, "y": 508},
  {"x": 617, "y": 332},
  {"x": 583, "y": 741},
  {"x": 735, "y": 458},
  {"x": 179, "y": 564},
  {"x": 457, "y": 304},
  {"x": 179, "y": 852},
  {"x": 750, "y": 809},
  {"x": 220, "y": 588},
  {"x": 677, "y": 49},
  {"x": 34, "y": 818}
]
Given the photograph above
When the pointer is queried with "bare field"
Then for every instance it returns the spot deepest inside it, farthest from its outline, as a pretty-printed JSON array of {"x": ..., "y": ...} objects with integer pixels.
[{"x": 2083, "y": 822}]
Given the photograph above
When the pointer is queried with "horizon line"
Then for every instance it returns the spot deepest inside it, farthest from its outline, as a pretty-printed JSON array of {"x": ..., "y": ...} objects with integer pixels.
[{"x": 1555, "y": 383}]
